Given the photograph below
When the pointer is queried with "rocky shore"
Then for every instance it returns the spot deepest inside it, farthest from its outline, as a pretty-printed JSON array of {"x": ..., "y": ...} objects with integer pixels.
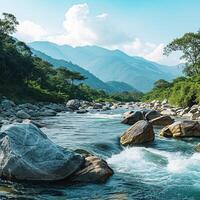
[{"x": 24, "y": 147}]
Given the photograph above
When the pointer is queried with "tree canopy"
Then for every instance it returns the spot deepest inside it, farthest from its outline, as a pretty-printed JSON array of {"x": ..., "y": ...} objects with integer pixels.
[{"x": 189, "y": 45}]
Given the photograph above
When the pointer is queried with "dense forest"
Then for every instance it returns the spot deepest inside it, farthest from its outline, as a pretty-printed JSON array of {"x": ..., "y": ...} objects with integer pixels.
[
  {"x": 25, "y": 77},
  {"x": 182, "y": 91}
]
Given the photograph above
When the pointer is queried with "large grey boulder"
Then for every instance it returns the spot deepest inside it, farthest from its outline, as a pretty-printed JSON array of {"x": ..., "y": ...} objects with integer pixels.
[
  {"x": 141, "y": 132},
  {"x": 182, "y": 129},
  {"x": 132, "y": 117},
  {"x": 26, "y": 153}
]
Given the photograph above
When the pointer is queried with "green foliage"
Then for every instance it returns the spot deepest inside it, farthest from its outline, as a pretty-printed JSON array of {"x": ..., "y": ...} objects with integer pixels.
[
  {"x": 181, "y": 92},
  {"x": 8, "y": 24},
  {"x": 189, "y": 45},
  {"x": 127, "y": 96}
]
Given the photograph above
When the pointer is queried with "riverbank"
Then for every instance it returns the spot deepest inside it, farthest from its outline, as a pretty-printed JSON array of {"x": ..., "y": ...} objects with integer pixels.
[{"x": 11, "y": 112}]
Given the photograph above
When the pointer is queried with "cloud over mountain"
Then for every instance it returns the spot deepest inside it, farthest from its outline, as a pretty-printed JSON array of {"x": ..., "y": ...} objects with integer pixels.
[{"x": 82, "y": 28}]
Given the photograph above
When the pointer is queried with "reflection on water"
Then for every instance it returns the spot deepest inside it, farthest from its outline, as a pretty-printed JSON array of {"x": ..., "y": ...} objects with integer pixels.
[{"x": 166, "y": 169}]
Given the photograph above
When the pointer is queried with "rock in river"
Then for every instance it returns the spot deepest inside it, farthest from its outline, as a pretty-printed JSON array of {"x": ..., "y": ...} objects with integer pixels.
[
  {"x": 132, "y": 117},
  {"x": 162, "y": 120},
  {"x": 95, "y": 170},
  {"x": 23, "y": 115},
  {"x": 26, "y": 153},
  {"x": 152, "y": 114},
  {"x": 182, "y": 129},
  {"x": 140, "y": 132}
]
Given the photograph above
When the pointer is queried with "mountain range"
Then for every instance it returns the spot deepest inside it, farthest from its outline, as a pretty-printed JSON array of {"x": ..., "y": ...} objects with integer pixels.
[
  {"x": 91, "y": 80},
  {"x": 111, "y": 65}
]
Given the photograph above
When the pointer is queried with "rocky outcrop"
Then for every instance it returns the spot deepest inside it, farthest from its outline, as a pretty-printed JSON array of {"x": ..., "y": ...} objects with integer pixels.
[
  {"x": 141, "y": 132},
  {"x": 28, "y": 154},
  {"x": 182, "y": 129},
  {"x": 162, "y": 121},
  {"x": 132, "y": 117}
]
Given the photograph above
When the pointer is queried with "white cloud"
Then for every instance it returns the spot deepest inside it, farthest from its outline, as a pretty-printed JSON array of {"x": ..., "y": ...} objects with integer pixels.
[
  {"x": 81, "y": 28},
  {"x": 150, "y": 51},
  {"x": 102, "y": 16},
  {"x": 30, "y": 31},
  {"x": 156, "y": 54},
  {"x": 78, "y": 28}
]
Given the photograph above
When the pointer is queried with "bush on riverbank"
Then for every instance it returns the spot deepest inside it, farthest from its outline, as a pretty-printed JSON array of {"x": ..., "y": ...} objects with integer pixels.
[{"x": 181, "y": 91}]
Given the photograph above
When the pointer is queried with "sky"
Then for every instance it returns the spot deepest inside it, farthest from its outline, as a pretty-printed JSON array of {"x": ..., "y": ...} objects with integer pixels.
[{"x": 137, "y": 27}]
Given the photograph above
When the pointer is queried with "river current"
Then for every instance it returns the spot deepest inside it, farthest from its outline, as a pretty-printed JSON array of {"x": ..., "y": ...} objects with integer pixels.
[{"x": 167, "y": 169}]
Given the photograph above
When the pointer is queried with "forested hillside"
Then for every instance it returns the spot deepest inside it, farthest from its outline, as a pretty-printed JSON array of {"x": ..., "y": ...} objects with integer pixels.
[{"x": 24, "y": 76}]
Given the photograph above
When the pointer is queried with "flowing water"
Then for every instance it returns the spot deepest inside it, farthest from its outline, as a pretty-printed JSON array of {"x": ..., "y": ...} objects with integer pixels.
[{"x": 166, "y": 169}]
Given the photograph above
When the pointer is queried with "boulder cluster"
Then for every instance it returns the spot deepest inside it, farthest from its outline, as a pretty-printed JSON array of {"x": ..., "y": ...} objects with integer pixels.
[{"x": 147, "y": 115}]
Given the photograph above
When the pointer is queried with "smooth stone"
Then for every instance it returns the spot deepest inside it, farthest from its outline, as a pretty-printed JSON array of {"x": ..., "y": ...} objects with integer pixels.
[
  {"x": 182, "y": 129},
  {"x": 162, "y": 120},
  {"x": 152, "y": 115},
  {"x": 48, "y": 112},
  {"x": 141, "y": 132},
  {"x": 168, "y": 112},
  {"x": 73, "y": 104},
  {"x": 132, "y": 118},
  {"x": 95, "y": 170},
  {"x": 7, "y": 104},
  {"x": 23, "y": 115},
  {"x": 97, "y": 106}
]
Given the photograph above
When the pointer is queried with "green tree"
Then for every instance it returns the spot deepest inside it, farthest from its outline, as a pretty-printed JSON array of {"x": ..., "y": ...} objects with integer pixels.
[
  {"x": 161, "y": 84},
  {"x": 189, "y": 45}
]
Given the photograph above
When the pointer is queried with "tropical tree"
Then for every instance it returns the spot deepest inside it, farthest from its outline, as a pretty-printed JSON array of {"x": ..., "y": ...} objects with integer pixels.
[{"x": 189, "y": 45}]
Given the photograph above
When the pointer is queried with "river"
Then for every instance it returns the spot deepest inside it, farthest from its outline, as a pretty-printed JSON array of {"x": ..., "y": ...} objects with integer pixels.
[{"x": 165, "y": 169}]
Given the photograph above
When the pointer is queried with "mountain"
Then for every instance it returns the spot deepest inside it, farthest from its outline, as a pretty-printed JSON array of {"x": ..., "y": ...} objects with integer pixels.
[
  {"x": 121, "y": 87},
  {"x": 111, "y": 65},
  {"x": 91, "y": 80}
]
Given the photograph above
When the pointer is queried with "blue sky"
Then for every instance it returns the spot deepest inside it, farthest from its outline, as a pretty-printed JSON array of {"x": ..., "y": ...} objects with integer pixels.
[{"x": 138, "y": 27}]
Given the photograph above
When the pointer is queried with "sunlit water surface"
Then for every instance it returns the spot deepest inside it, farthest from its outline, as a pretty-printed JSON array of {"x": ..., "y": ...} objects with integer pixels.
[{"x": 166, "y": 169}]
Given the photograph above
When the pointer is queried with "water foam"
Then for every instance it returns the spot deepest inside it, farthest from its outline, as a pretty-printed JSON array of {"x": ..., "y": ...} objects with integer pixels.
[
  {"x": 104, "y": 116},
  {"x": 140, "y": 159}
]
